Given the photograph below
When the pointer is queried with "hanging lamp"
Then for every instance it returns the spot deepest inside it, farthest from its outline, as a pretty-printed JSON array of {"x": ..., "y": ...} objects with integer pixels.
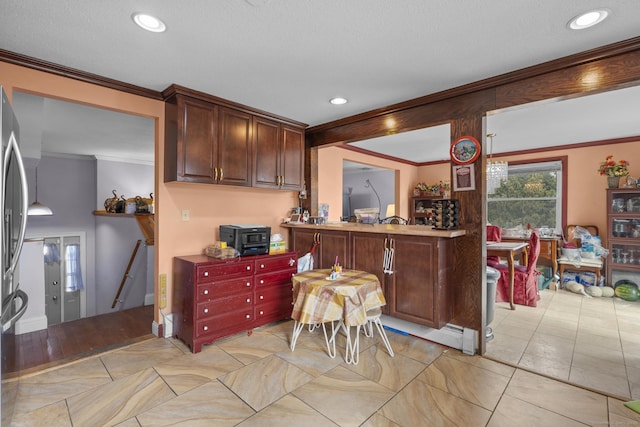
[
  {"x": 496, "y": 171},
  {"x": 37, "y": 208}
]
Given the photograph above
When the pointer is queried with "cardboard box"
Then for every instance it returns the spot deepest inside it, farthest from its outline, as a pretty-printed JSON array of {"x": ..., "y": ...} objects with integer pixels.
[{"x": 277, "y": 247}]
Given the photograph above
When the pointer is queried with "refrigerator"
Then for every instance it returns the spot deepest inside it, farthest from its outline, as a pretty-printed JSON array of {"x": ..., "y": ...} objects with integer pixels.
[{"x": 13, "y": 206}]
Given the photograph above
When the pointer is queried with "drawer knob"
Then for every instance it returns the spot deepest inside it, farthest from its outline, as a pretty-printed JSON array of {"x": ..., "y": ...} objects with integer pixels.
[
  {"x": 206, "y": 292},
  {"x": 248, "y": 316},
  {"x": 248, "y": 284},
  {"x": 206, "y": 328},
  {"x": 261, "y": 312},
  {"x": 206, "y": 310},
  {"x": 261, "y": 282},
  {"x": 261, "y": 296},
  {"x": 261, "y": 265},
  {"x": 248, "y": 299},
  {"x": 248, "y": 267},
  {"x": 206, "y": 274}
]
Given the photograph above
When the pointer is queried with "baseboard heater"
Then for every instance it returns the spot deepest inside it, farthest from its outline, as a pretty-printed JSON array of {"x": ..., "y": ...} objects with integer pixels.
[{"x": 463, "y": 339}]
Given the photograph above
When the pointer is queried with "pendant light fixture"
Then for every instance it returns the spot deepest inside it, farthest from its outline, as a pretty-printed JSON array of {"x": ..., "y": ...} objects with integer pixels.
[
  {"x": 37, "y": 208},
  {"x": 496, "y": 171}
]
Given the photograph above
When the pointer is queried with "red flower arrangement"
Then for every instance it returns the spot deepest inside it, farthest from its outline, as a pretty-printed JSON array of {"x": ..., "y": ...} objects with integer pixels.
[{"x": 612, "y": 168}]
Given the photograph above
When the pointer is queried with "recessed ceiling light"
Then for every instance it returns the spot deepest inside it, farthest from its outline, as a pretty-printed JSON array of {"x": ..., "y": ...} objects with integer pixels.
[
  {"x": 338, "y": 100},
  {"x": 588, "y": 19},
  {"x": 148, "y": 22}
]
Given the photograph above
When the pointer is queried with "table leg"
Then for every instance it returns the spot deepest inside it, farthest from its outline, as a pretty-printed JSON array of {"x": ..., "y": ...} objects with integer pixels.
[
  {"x": 512, "y": 276},
  {"x": 352, "y": 355},
  {"x": 297, "y": 328}
]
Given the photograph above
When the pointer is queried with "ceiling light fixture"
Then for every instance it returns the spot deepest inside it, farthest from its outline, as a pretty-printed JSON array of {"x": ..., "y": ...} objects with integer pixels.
[
  {"x": 497, "y": 171},
  {"x": 588, "y": 19},
  {"x": 37, "y": 208},
  {"x": 338, "y": 100},
  {"x": 148, "y": 22}
]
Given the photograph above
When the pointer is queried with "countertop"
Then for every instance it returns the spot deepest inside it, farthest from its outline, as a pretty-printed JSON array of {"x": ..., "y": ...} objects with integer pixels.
[{"x": 409, "y": 230}]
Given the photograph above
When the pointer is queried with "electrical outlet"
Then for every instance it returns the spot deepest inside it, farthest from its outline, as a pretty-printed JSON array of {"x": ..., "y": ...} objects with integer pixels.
[
  {"x": 163, "y": 290},
  {"x": 185, "y": 214}
]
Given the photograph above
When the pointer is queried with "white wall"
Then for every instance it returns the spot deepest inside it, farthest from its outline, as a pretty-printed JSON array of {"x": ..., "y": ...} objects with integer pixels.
[{"x": 73, "y": 188}]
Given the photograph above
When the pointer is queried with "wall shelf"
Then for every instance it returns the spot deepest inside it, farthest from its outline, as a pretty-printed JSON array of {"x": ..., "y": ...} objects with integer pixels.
[{"x": 146, "y": 221}]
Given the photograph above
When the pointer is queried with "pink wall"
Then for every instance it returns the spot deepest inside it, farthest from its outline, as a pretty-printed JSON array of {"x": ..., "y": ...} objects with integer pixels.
[
  {"x": 209, "y": 205},
  {"x": 586, "y": 196},
  {"x": 330, "y": 179}
]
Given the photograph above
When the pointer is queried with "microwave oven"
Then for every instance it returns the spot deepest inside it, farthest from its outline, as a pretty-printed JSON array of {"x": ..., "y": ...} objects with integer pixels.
[{"x": 247, "y": 239}]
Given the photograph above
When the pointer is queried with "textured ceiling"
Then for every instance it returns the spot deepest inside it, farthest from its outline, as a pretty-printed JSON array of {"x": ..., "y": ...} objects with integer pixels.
[{"x": 289, "y": 57}]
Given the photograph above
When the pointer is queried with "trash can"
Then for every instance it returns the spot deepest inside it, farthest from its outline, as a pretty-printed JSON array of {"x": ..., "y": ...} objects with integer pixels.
[{"x": 492, "y": 280}]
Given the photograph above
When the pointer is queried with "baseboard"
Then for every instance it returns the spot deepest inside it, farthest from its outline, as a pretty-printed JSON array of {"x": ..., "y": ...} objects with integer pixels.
[
  {"x": 156, "y": 329},
  {"x": 463, "y": 339},
  {"x": 24, "y": 326},
  {"x": 148, "y": 299}
]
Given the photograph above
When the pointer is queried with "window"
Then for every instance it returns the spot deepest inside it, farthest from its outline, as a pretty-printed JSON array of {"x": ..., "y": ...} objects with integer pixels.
[{"x": 531, "y": 195}]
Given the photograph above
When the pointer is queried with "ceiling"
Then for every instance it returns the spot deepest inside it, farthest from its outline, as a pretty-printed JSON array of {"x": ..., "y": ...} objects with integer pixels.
[{"x": 289, "y": 57}]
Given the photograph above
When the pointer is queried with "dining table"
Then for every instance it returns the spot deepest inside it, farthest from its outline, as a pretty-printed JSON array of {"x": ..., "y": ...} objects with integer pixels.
[
  {"x": 509, "y": 250},
  {"x": 319, "y": 299}
]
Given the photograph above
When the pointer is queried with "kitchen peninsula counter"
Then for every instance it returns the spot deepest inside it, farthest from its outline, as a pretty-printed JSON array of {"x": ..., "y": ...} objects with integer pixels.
[
  {"x": 405, "y": 230},
  {"x": 414, "y": 263}
]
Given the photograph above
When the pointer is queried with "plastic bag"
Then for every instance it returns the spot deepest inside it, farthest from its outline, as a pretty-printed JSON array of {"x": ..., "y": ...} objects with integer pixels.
[{"x": 305, "y": 262}]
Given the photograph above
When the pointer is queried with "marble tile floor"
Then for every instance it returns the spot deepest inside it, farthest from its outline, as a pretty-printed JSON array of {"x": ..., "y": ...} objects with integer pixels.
[
  {"x": 591, "y": 342},
  {"x": 255, "y": 380}
]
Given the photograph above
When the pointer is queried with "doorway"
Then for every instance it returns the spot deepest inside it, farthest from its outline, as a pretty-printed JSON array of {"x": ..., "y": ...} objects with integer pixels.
[{"x": 63, "y": 258}]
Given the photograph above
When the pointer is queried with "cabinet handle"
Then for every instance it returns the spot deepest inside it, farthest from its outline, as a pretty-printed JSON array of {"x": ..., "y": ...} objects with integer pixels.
[
  {"x": 248, "y": 316},
  {"x": 248, "y": 299},
  {"x": 221, "y": 174},
  {"x": 215, "y": 174},
  {"x": 206, "y": 310},
  {"x": 206, "y": 274},
  {"x": 206, "y": 292},
  {"x": 205, "y": 328}
]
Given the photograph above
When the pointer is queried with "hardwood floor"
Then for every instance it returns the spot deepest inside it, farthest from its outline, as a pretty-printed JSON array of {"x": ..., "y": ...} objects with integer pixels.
[{"x": 73, "y": 340}]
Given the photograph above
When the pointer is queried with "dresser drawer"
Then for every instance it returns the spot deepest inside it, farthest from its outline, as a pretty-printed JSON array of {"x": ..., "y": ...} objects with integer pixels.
[
  {"x": 235, "y": 320},
  {"x": 274, "y": 293},
  {"x": 275, "y": 310},
  {"x": 277, "y": 278},
  {"x": 213, "y": 272},
  {"x": 224, "y": 305},
  {"x": 212, "y": 290},
  {"x": 276, "y": 262}
]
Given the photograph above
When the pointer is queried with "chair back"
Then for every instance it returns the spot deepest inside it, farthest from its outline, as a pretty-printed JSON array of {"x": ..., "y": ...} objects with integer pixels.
[
  {"x": 570, "y": 237},
  {"x": 494, "y": 233},
  {"x": 534, "y": 251}
]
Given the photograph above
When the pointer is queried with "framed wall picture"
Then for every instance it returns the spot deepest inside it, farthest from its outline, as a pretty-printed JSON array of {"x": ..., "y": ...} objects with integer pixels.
[
  {"x": 464, "y": 178},
  {"x": 465, "y": 150}
]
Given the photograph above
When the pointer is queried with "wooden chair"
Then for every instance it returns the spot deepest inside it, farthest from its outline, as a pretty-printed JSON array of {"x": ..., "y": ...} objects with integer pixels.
[{"x": 583, "y": 264}]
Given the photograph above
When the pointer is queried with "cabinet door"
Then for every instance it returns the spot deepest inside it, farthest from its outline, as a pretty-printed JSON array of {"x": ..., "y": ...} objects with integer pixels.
[
  {"x": 266, "y": 153},
  {"x": 292, "y": 158},
  {"x": 367, "y": 254},
  {"x": 303, "y": 241},
  {"x": 233, "y": 158},
  {"x": 332, "y": 245},
  {"x": 196, "y": 141},
  {"x": 418, "y": 293}
]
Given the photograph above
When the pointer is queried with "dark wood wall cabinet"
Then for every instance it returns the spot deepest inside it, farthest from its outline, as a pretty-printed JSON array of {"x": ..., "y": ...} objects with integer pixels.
[
  {"x": 215, "y": 298},
  {"x": 418, "y": 289},
  {"x": 214, "y": 141}
]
